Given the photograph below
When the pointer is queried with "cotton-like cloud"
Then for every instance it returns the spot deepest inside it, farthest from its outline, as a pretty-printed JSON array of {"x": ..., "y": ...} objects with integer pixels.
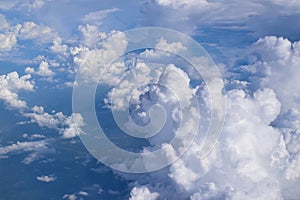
[
  {"x": 277, "y": 64},
  {"x": 58, "y": 121},
  {"x": 59, "y": 47},
  {"x": 70, "y": 197},
  {"x": 8, "y": 39},
  {"x": 91, "y": 35},
  {"x": 93, "y": 63},
  {"x": 10, "y": 85},
  {"x": 258, "y": 153},
  {"x": 236, "y": 168},
  {"x": 36, "y": 147},
  {"x": 141, "y": 193},
  {"x": 43, "y": 70},
  {"x": 46, "y": 178},
  {"x": 174, "y": 47},
  {"x": 31, "y": 30}
]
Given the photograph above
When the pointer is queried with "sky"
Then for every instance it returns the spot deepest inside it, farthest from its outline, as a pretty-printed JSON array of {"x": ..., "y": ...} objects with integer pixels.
[{"x": 150, "y": 99}]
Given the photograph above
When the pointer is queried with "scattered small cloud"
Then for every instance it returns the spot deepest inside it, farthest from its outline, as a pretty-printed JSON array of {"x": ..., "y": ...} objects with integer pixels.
[
  {"x": 46, "y": 178},
  {"x": 97, "y": 17}
]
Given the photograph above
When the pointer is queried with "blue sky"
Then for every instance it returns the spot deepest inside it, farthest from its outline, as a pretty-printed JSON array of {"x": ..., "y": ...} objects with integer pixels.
[{"x": 254, "y": 45}]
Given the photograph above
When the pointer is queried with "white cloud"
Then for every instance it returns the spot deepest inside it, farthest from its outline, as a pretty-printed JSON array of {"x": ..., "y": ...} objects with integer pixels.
[
  {"x": 68, "y": 126},
  {"x": 258, "y": 153},
  {"x": 10, "y": 85},
  {"x": 177, "y": 4},
  {"x": 73, "y": 125},
  {"x": 9, "y": 39},
  {"x": 236, "y": 168},
  {"x": 21, "y": 147},
  {"x": 31, "y": 30},
  {"x": 33, "y": 136},
  {"x": 58, "y": 46},
  {"x": 142, "y": 193},
  {"x": 4, "y": 25},
  {"x": 43, "y": 70},
  {"x": 97, "y": 17},
  {"x": 44, "y": 119},
  {"x": 83, "y": 193},
  {"x": 94, "y": 62},
  {"x": 277, "y": 65},
  {"x": 91, "y": 35},
  {"x": 256, "y": 157},
  {"x": 22, "y": 4},
  {"x": 46, "y": 178},
  {"x": 198, "y": 15},
  {"x": 70, "y": 196}
]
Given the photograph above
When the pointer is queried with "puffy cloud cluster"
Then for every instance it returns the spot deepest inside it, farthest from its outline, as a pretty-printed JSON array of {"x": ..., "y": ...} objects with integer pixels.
[
  {"x": 95, "y": 55},
  {"x": 276, "y": 62},
  {"x": 257, "y": 155},
  {"x": 43, "y": 70},
  {"x": 28, "y": 30},
  {"x": 23, "y": 146},
  {"x": 37, "y": 148},
  {"x": 10, "y": 85},
  {"x": 141, "y": 193},
  {"x": 68, "y": 126},
  {"x": 241, "y": 160},
  {"x": 31, "y": 30},
  {"x": 8, "y": 39}
]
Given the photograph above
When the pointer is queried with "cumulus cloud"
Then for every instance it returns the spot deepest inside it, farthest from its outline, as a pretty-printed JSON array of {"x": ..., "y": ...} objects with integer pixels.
[
  {"x": 46, "y": 178},
  {"x": 91, "y": 35},
  {"x": 8, "y": 39},
  {"x": 141, "y": 193},
  {"x": 68, "y": 126},
  {"x": 70, "y": 197},
  {"x": 31, "y": 30},
  {"x": 93, "y": 63},
  {"x": 236, "y": 168},
  {"x": 258, "y": 154},
  {"x": 43, "y": 70},
  {"x": 174, "y": 47},
  {"x": 59, "y": 47},
  {"x": 36, "y": 147},
  {"x": 10, "y": 85},
  {"x": 276, "y": 63},
  {"x": 258, "y": 151}
]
